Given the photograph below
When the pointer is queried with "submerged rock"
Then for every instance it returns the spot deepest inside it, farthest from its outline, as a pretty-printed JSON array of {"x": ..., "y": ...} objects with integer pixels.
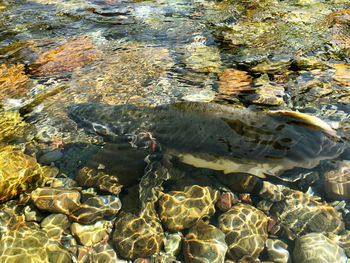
[
  {"x": 55, "y": 224},
  {"x": 65, "y": 58},
  {"x": 14, "y": 83},
  {"x": 20, "y": 173},
  {"x": 298, "y": 214},
  {"x": 179, "y": 210},
  {"x": 138, "y": 235},
  {"x": 278, "y": 251},
  {"x": 245, "y": 228},
  {"x": 205, "y": 243},
  {"x": 202, "y": 58},
  {"x": 316, "y": 247},
  {"x": 337, "y": 181},
  {"x": 89, "y": 235},
  {"x": 32, "y": 245},
  {"x": 95, "y": 208},
  {"x": 68, "y": 202}
]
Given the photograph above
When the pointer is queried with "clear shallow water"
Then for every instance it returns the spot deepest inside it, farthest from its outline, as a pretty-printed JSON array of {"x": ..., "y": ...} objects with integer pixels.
[{"x": 264, "y": 55}]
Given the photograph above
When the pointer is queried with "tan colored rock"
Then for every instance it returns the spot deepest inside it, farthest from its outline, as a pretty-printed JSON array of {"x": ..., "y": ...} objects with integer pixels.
[
  {"x": 245, "y": 228},
  {"x": 55, "y": 224},
  {"x": 89, "y": 235},
  {"x": 56, "y": 200},
  {"x": 205, "y": 243},
  {"x": 138, "y": 235},
  {"x": 33, "y": 246},
  {"x": 316, "y": 247},
  {"x": 299, "y": 213},
  {"x": 95, "y": 208},
  {"x": 182, "y": 209},
  {"x": 20, "y": 173}
]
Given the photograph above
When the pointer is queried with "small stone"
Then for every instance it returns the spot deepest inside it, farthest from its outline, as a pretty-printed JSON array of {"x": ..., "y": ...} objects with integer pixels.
[
  {"x": 205, "y": 243},
  {"x": 32, "y": 214},
  {"x": 172, "y": 244},
  {"x": 182, "y": 209},
  {"x": 316, "y": 247},
  {"x": 225, "y": 202},
  {"x": 88, "y": 235},
  {"x": 55, "y": 224},
  {"x": 278, "y": 251},
  {"x": 51, "y": 156},
  {"x": 337, "y": 181}
]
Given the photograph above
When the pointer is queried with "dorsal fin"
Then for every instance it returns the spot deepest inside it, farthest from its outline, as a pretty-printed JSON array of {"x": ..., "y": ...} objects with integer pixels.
[{"x": 309, "y": 121}]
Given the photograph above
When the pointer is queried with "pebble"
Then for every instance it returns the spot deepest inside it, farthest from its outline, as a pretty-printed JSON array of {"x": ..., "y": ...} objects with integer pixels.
[{"x": 88, "y": 235}]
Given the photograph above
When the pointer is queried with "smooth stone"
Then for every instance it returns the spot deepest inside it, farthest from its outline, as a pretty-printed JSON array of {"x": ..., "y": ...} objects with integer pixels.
[
  {"x": 32, "y": 214},
  {"x": 138, "y": 235},
  {"x": 88, "y": 235},
  {"x": 19, "y": 172},
  {"x": 95, "y": 208},
  {"x": 51, "y": 156},
  {"x": 299, "y": 213},
  {"x": 337, "y": 181},
  {"x": 172, "y": 243},
  {"x": 278, "y": 251},
  {"x": 245, "y": 228},
  {"x": 56, "y": 200},
  {"x": 31, "y": 245},
  {"x": 316, "y": 247},
  {"x": 182, "y": 209},
  {"x": 204, "y": 243},
  {"x": 55, "y": 224}
]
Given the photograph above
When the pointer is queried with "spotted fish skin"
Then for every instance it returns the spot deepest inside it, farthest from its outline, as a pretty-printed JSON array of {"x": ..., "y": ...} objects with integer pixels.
[{"x": 215, "y": 136}]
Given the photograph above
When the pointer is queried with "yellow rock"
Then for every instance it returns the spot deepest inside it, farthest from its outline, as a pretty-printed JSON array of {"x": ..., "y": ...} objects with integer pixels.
[{"x": 20, "y": 173}]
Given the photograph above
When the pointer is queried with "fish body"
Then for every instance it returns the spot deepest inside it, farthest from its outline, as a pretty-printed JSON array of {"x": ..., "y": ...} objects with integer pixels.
[{"x": 219, "y": 137}]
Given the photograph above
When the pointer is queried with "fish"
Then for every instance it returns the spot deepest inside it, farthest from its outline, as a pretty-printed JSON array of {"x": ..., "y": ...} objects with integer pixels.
[{"x": 215, "y": 136}]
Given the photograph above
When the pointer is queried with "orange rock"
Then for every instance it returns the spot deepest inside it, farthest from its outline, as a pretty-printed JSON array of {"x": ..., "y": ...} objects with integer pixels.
[
  {"x": 67, "y": 57},
  {"x": 232, "y": 82},
  {"x": 13, "y": 81},
  {"x": 225, "y": 202}
]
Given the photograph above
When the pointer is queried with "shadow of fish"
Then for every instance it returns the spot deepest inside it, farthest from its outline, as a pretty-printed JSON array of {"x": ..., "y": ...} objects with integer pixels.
[{"x": 219, "y": 137}]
